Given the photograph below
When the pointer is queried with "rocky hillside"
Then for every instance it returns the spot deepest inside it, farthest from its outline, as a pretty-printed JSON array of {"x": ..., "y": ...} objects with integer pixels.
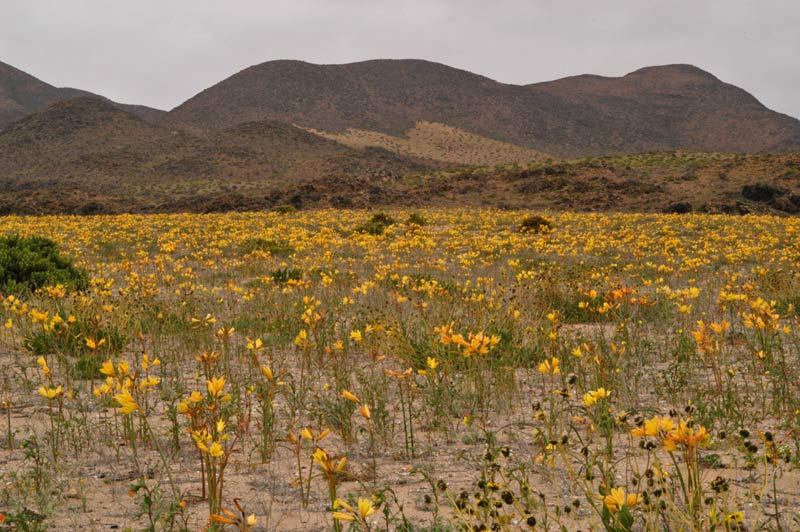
[
  {"x": 22, "y": 94},
  {"x": 86, "y": 151},
  {"x": 655, "y": 108}
]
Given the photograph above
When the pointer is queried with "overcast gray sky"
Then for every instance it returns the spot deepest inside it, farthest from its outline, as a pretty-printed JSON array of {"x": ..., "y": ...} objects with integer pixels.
[{"x": 162, "y": 52}]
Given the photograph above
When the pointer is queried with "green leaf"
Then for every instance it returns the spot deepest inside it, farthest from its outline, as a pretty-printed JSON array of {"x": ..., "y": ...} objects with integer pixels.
[{"x": 625, "y": 518}]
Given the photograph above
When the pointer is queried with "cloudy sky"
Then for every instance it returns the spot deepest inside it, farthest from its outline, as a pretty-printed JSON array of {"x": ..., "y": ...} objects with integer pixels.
[{"x": 161, "y": 52}]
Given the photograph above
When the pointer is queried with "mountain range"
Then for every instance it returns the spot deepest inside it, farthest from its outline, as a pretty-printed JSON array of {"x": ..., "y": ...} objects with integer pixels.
[
  {"x": 290, "y": 131},
  {"x": 654, "y": 108}
]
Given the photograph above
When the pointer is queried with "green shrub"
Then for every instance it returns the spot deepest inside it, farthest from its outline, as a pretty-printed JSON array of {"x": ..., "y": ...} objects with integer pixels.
[
  {"x": 28, "y": 263},
  {"x": 376, "y": 225},
  {"x": 285, "y": 209},
  {"x": 416, "y": 219},
  {"x": 283, "y": 275},
  {"x": 535, "y": 224},
  {"x": 278, "y": 248}
]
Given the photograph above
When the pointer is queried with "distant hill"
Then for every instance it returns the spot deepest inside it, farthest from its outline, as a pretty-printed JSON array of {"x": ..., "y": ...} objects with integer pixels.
[
  {"x": 655, "y": 108},
  {"x": 22, "y": 94},
  {"x": 87, "y": 151},
  {"x": 84, "y": 138}
]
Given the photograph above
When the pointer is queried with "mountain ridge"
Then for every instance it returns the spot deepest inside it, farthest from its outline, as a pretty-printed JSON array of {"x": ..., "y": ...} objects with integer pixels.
[
  {"x": 22, "y": 94},
  {"x": 677, "y": 106}
]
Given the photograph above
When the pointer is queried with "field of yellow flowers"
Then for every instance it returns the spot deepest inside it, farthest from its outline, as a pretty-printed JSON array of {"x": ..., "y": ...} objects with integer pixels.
[{"x": 266, "y": 371}]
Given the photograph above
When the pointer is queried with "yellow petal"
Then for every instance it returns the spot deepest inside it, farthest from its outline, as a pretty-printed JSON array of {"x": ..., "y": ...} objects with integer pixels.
[
  {"x": 216, "y": 450},
  {"x": 350, "y": 396},
  {"x": 341, "y": 516}
]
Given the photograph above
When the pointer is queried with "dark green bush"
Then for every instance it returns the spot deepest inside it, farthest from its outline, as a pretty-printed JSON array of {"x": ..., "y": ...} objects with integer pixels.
[
  {"x": 285, "y": 209},
  {"x": 681, "y": 207},
  {"x": 376, "y": 225},
  {"x": 283, "y": 275},
  {"x": 535, "y": 224},
  {"x": 28, "y": 263},
  {"x": 278, "y": 248},
  {"x": 416, "y": 219}
]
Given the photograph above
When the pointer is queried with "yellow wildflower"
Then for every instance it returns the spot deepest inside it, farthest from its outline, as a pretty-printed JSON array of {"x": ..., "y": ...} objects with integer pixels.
[
  {"x": 126, "y": 401},
  {"x": 617, "y": 499},
  {"x": 215, "y": 386}
]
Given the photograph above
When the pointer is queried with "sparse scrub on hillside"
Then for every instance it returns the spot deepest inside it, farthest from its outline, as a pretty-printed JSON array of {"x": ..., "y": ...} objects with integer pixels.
[{"x": 644, "y": 182}]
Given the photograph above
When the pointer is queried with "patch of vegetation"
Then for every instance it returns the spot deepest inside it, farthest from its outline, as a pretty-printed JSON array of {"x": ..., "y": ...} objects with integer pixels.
[
  {"x": 761, "y": 192},
  {"x": 376, "y": 225},
  {"x": 681, "y": 207},
  {"x": 416, "y": 219},
  {"x": 774, "y": 196},
  {"x": 535, "y": 224},
  {"x": 284, "y": 275},
  {"x": 278, "y": 248},
  {"x": 28, "y": 263},
  {"x": 285, "y": 209},
  {"x": 81, "y": 361}
]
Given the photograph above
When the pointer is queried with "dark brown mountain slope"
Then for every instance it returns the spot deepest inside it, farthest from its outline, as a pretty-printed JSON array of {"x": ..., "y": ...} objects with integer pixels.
[
  {"x": 22, "y": 94},
  {"x": 85, "y": 151},
  {"x": 668, "y": 107},
  {"x": 388, "y": 96},
  {"x": 673, "y": 106},
  {"x": 89, "y": 136},
  {"x": 84, "y": 136}
]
